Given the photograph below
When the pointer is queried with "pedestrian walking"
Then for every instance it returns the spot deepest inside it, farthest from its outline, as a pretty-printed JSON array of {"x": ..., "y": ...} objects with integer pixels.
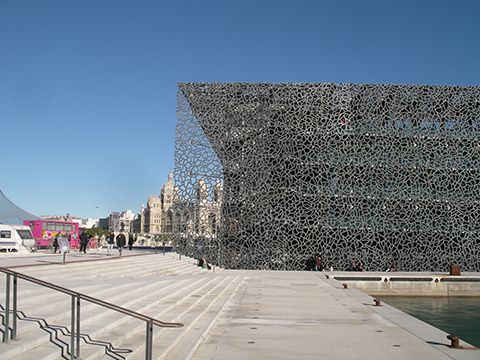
[
  {"x": 130, "y": 241},
  {"x": 83, "y": 242},
  {"x": 55, "y": 243},
  {"x": 63, "y": 243},
  {"x": 121, "y": 241},
  {"x": 110, "y": 239}
]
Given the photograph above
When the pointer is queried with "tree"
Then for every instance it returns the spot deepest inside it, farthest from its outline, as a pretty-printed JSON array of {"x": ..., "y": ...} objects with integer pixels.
[{"x": 97, "y": 232}]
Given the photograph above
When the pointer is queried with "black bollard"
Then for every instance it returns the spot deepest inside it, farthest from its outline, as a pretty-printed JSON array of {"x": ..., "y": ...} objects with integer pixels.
[{"x": 455, "y": 341}]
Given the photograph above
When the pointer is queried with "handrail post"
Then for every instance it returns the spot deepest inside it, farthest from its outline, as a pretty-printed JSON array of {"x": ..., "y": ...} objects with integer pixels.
[
  {"x": 78, "y": 328},
  {"x": 14, "y": 320},
  {"x": 149, "y": 340},
  {"x": 72, "y": 330},
  {"x": 6, "y": 318}
]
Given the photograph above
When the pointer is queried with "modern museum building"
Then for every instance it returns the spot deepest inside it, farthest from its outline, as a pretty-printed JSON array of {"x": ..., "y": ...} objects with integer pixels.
[{"x": 373, "y": 174}]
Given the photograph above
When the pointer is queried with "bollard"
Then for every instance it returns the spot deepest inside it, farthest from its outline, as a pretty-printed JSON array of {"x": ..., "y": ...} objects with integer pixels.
[
  {"x": 345, "y": 286},
  {"x": 377, "y": 302},
  {"x": 455, "y": 341},
  {"x": 455, "y": 270}
]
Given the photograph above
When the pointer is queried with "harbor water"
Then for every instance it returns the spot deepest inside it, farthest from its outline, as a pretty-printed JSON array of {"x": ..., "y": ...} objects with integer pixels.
[{"x": 454, "y": 315}]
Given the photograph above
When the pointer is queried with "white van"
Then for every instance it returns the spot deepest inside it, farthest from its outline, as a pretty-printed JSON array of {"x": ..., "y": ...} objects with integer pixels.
[{"x": 16, "y": 238}]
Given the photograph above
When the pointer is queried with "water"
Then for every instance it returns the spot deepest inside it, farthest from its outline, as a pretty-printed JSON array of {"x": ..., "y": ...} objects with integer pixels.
[{"x": 458, "y": 316}]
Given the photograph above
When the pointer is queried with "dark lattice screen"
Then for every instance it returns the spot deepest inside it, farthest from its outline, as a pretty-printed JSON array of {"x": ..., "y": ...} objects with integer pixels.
[{"x": 352, "y": 172}]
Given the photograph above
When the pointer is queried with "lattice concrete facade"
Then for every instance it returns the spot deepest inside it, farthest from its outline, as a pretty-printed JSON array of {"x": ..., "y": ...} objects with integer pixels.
[{"x": 352, "y": 172}]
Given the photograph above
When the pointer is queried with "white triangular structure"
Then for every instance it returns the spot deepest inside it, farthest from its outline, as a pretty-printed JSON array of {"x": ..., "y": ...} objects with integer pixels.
[{"x": 11, "y": 213}]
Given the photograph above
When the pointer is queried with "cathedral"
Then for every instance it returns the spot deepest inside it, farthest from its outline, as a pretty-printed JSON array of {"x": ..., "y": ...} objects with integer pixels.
[
  {"x": 157, "y": 215},
  {"x": 167, "y": 213}
]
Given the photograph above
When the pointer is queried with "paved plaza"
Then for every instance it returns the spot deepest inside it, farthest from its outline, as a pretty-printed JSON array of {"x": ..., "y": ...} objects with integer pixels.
[{"x": 227, "y": 314}]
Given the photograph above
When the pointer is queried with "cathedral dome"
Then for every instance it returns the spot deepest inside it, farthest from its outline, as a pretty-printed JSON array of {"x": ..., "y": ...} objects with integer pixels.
[{"x": 153, "y": 200}]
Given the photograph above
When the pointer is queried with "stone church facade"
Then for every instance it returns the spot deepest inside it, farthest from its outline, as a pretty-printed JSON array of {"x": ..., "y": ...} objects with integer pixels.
[
  {"x": 166, "y": 213},
  {"x": 157, "y": 215}
]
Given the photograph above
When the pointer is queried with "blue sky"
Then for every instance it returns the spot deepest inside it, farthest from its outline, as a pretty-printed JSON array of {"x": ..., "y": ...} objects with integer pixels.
[{"x": 88, "y": 88}]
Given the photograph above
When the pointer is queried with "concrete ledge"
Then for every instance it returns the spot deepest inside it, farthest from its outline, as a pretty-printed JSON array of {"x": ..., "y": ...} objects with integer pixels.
[{"x": 411, "y": 284}]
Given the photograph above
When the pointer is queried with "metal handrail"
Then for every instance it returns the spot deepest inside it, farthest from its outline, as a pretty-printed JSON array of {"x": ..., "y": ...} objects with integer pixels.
[{"x": 75, "y": 312}]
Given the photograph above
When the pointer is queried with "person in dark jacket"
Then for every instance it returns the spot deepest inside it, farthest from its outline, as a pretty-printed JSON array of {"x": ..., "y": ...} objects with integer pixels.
[
  {"x": 130, "y": 241},
  {"x": 121, "y": 241},
  {"x": 83, "y": 242},
  {"x": 55, "y": 243},
  {"x": 310, "y": 263}
]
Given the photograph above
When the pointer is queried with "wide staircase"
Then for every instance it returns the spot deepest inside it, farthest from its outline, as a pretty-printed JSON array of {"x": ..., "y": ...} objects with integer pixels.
[{"x": 163, "y": 287}]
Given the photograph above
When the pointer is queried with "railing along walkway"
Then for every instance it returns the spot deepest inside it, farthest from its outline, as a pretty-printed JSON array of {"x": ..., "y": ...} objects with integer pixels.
[{"x": 75, "y": 313}]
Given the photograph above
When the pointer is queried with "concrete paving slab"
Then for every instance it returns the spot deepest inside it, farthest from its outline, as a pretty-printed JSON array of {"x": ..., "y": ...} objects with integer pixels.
[
  {"x": 298, "y": 315},
  {"x": 229, "y": 314}
]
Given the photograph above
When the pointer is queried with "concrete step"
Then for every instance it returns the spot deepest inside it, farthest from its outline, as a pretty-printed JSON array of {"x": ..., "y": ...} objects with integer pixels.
[
  {"x": 56, "y": 306},
  {"x": 128, "y": 270},
  {"x": 186, "y": 311},
  {"x": 116, "y": 265},
  {"x": 78, "y": 263},
  {"x": 135, "y": 336},
  {"x": 154, "y": 285},
  {"x": 32, "y": 336},
  {"x": 33, "y": 293},
  {"x": 90, "y": 313},
  {"x": 185, "y": 345}
]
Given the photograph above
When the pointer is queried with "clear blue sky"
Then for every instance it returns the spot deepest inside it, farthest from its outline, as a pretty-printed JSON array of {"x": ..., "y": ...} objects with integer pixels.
[{"x": 88, "y": 88}]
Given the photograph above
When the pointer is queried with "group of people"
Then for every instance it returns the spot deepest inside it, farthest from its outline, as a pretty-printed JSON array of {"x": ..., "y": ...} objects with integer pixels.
[
  {"x": 62, "y": 242},
  {"x": 203, "y": 263},
  {"x": 315, "y": 263},
  {"x": 120, "y": 241},
  {"x": 357, "y": 266}
]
